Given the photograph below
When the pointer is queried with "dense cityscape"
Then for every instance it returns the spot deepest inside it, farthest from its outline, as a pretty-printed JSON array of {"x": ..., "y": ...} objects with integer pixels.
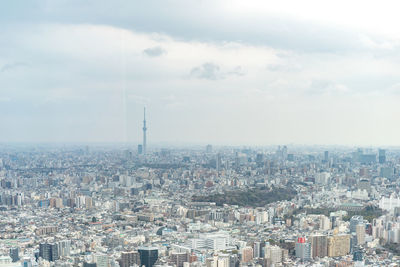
[
  {"x": 112, "y": 205},
  {"x": 199, "y": 133}
]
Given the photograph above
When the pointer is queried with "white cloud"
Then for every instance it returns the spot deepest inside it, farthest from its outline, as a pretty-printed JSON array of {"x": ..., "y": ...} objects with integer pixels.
[{"x": 279, "y": 89}]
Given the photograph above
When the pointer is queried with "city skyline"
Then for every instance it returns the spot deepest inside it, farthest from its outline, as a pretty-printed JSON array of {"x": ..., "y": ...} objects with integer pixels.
[{"x": 199, "y": 133}]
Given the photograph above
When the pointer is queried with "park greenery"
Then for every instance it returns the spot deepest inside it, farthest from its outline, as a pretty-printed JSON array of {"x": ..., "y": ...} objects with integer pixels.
[{"x": 254, "y": 197}]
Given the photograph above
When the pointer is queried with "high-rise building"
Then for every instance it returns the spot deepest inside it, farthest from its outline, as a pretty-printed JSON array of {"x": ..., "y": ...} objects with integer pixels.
[
  {"x": 367, "y": 158},
  {"x": 319, "y": 246},
  {"x": 284, "y": 152},
  {"x": 260, "y": 159},
  {"x": 247, "y": 254},
  {"x": 64, "y": 248},
  {"x": 360, "y": 233},
  {"x": 130, "y": 258},
  {"x": 357, "y": 255},
  {"x": 140, "y": 149},
  {"x": 338, "y": 245},
  {"x": 386, "y": 172},
  {"x": 354, "y": 221},
  {"x": 382, "y": 156},
  {"x": 208, "y": 148},
  {"x": 273, "y": 254},
  {"x": 326, "y": 156},
  {"x": 14, "y": 254},
  {"x": 303, "y": 249},
  {"x": 144, "y": 132},
  {"x": 233, "y": 260},
  {"x": 256, "y": 250},
  {"x": 148, "y": 256},
  {"x": 218, "y": 162},
  {"x": 48, "y": 251},
  {"x": 178, "y": 258}
]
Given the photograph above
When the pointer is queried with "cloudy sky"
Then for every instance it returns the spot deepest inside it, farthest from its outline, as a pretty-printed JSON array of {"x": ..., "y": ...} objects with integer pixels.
[{"x": 221, "y": 72}]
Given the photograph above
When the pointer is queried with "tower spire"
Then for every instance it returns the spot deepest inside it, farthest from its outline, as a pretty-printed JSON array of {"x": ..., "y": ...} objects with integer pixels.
[{"x": 144, "y": 130}]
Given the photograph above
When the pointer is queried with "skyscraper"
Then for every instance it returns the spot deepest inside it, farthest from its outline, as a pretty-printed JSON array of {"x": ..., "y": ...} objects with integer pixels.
[
  {"x": 140, "y": 149},
  {"x": 218, "y": 162},
  {"x": 382, "y": 156},
  {"x": 354, "y": 221},
  {"x": 144, "y": 132},
  {"x": 319, "y": 245},
  {"x": 326, "y": 156},
  {"x": 148, "y": 256},
  {"x": 48, "y": 251},
  {"x": 14, "y": 254}
]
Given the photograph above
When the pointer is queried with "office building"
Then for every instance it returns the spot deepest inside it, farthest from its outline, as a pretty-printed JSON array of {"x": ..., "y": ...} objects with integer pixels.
[
  {"x": 48, "y": 251},
  {"x": 367, "y": 158},
  {"x": 326, "y": 156},
  {"x": 64, "y": 248},
  {"x": 247, "y": 254},
  {"x": 354, "y": 221},
  {"x": 386, "y": 172},
  {"x": 360, "y": 233},
  {"x": 148, "y": 256},
  {"x": 273, "y": 254},
  {"x": 382, "y": 156},
  {"x": 140, "y": 149},
  {"x": 218, "y": 162},
  {"x": 256, "y": 250},
  {"x": 319, "y": 246},
  {"x": 178, "y": 258},
  {"x": 338, "y": 245},
  {"x": 130, "y": 258},
  {"x": 14, "y": 254},
  {"x": 303, "y": 249}
]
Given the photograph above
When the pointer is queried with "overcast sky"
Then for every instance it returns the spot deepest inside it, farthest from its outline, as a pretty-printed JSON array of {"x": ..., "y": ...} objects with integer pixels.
[{"x": 221, "y": 72}]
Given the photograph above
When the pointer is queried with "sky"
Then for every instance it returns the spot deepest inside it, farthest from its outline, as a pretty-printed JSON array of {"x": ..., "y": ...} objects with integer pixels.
[{"x": 223, "y": 72}]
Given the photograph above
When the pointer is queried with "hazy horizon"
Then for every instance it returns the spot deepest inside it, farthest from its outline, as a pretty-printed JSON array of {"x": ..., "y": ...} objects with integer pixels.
[{"x": 244, "y": 73}]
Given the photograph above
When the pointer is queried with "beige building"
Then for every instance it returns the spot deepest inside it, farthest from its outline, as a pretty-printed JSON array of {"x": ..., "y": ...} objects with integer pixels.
[
  {"x": 338, "y": 245},
  {"x": 360, "y": 232},
  {"x": 274, "y": 254},
  {"x": 247, "y": 254}
]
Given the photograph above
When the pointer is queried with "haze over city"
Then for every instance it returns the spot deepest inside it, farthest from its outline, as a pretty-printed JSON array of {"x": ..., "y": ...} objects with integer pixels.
[
  {"x": 199, "y": 133},
  {"x": 220, "y": 72}
]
